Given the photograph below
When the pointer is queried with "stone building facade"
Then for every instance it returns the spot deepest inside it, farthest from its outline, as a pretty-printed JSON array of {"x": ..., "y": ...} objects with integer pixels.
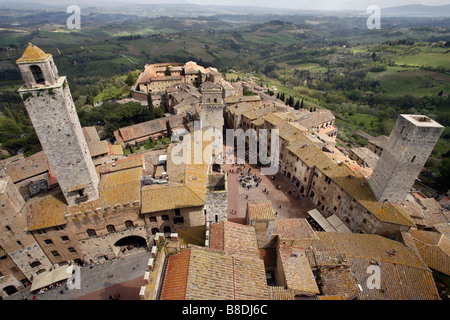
[{"x": 409, "y": 145}]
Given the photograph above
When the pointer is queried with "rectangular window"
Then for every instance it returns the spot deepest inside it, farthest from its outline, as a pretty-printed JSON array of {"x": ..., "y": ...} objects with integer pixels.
[
  {"x": 55, "y": 253},
  {"x": 178, "y": 220}
]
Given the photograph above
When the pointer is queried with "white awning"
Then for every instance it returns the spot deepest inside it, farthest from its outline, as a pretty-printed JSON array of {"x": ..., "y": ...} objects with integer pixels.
[
  {"x": 338, "y": 224},
  {"x": 47, "y": 278},
  {"x": 330, "y": 224},
  {"x": 317, "y": 216}
]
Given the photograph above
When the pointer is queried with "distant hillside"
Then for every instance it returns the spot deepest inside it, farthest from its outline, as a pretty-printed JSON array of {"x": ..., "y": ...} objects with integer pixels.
[{"x": 418, "y": 10}]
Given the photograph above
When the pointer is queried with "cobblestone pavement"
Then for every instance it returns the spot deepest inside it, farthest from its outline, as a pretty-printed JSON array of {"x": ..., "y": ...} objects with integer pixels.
[
  {"x": 285, "y": 205},
  {"x": 123, "y": 276}
]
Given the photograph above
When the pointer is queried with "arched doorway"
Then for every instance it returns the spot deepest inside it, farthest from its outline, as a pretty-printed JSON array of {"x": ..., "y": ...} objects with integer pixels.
[
  {"x": 129, "y": 244},
  {"x": 10, "y": 290}
]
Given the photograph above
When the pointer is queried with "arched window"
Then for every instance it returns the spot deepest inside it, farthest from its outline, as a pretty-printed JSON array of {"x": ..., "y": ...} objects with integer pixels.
[
  {"x": 37, "y": 74},
  {"x": 155, "y": 230},
  {"x": 129, "y": 224},
  {"x": 91, "y": 232},
  {"x": 110, "y": 228},
  {"x": 167, "y": 229}
]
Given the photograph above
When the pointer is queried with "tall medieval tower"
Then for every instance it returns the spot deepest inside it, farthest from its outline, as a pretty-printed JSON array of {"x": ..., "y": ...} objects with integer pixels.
[
  {"x": 408, "y": 148},
  {"x": 51, "y": 109},
  {"x": 211, "y": 106}
]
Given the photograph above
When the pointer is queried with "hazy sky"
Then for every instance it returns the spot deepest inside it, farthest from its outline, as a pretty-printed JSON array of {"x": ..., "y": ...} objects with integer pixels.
[
  {"x": 302, "y": 4},
  {"x": 293, "y": 4}
]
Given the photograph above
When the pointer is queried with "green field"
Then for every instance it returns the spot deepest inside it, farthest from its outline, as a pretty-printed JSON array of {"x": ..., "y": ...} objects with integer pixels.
[
  {"x": 426, "y": 59},
  {"x": 398, "y": 81}
]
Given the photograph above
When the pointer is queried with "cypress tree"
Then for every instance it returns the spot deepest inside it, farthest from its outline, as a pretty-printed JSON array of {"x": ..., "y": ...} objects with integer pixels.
[{"x": 169, "y": 129}]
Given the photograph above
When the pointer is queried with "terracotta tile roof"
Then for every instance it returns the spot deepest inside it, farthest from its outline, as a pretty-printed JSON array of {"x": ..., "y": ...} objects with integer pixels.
[
  {"x": 403, "y": 273},
  {"x": 174, "y": 286},
  {"x": 27, "y": 167},
  {"x": 196, "y": 178},
  {"x": 339, "y": 281},
  {"x": 33, "y": 54},
  {"x": 331, "y": 298},
  {"x": 366, "y": 155},
  {"x": 234, "y": 239},
  {"x": 123, "y": 164},
  {"x": 249, "y": 279},
  {"x": 260, "y": 210},
  {"x": 91, "y": 134},
  {"x": 420, "y": 216},
  {"x": 290, "y": 132},
  {"x": 258, "y": 122},
  {"x": 238, "y": 109},
  {"x": 274, "y": 118},
  {"x": 293, "y": 229},
  {"x": 280, "y": 293},
  {"x": 148, "y": 128},
  {"x": 379, "y": 141},
  {"x": 115, "y": 150},
  {"x": 97, "y": 148},
  {"x": 297, "y": 271},
  {"x": 46, "y": 212},
  {"x": 315, "y": 118},
  {"x": 434, "y": 248},
  {"x": 169, "y": 196},
  {"x": 205, "y": 274},
  {"x": 120, "y": 177},
  {"x": 256, "y": 113},
  {"x": 237, "y": 99},
  {"x": 210, "y": 277}
]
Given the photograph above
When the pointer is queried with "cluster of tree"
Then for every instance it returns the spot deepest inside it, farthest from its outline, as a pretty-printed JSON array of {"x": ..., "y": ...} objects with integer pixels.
[
  {"x": 16, "y": 131},
  {"x": 290, "y": 101},
  {"x": 115, "y": 116}
]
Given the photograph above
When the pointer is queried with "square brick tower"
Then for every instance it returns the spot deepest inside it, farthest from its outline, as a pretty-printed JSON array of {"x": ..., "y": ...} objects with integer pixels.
[
  {"x": 51, "y": 109},
  {"x": 409, "y": 145}
]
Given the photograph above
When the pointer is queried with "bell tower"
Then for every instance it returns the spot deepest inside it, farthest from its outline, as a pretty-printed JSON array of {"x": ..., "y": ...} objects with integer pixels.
[{"x": 50, "y": 107}]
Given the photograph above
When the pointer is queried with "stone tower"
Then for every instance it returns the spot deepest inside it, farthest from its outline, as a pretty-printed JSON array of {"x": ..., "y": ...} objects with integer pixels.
[
  {"x": 51, "y": 109},
  {"x": 211, "y": 106},
  {"x": 409, "y": 145}
]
